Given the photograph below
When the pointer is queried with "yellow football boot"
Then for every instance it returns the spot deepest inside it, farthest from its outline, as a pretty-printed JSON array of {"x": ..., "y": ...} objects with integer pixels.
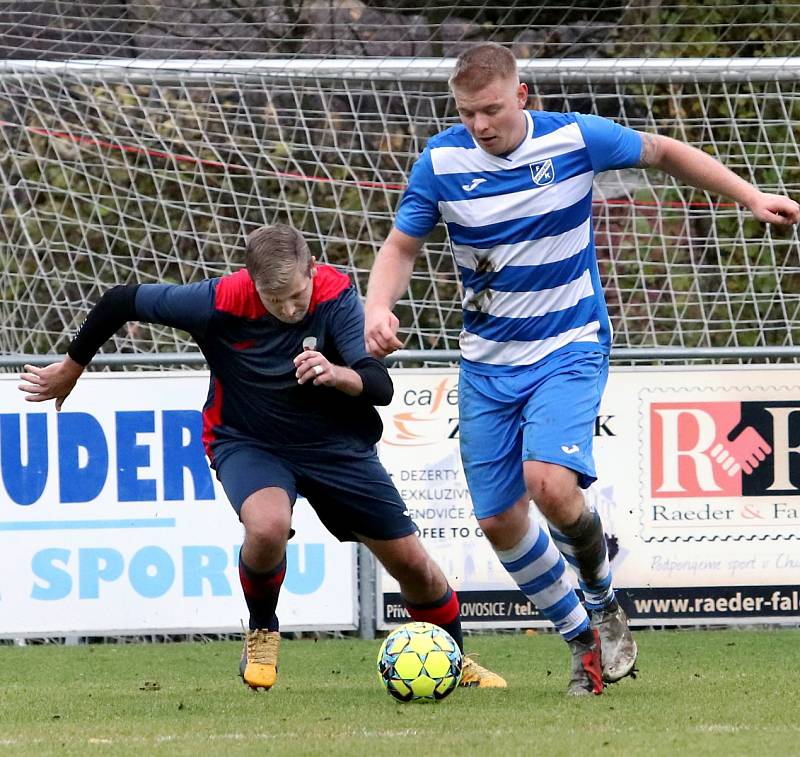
[
  {"x": 259, "y": 665},
  {"x": 473, "y": 674}
]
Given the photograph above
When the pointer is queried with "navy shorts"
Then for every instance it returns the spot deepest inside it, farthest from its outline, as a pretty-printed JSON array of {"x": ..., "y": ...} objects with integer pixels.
[{"x": 351, "y": 495}]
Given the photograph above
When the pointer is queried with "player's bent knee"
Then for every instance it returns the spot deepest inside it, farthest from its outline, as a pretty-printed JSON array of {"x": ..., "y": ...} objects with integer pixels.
[
  {"x": 505, "y": 529},
  {"x": 550, "y": 486},
  {"x": 267, "y": 516},
  {"x": 267, "y": 532},
  {"x": 492, "y": 528},
  {"x": 269, "y": 536}
]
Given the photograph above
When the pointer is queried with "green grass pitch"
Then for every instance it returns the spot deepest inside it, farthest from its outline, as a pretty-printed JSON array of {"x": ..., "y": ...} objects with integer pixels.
[{"x": 731, "y": 692}]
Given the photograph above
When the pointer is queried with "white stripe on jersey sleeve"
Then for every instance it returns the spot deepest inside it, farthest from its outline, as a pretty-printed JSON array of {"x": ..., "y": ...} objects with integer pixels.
[
  {"x": 472, "y": 160},
  {"x": 511, "y": 207},
  {"x": 530, "y": 304},
  {"x": 533, "y": 252},
  {"x": 480, "y": 350}
]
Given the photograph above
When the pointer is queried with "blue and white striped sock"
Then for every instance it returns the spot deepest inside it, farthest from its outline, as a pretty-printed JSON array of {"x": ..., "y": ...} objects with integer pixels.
[
  {"x": 540, "y": 572},
  {"x": 587, "y": 553}
]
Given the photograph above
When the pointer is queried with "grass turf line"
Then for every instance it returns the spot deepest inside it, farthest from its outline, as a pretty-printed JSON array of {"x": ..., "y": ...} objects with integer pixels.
[{"x": 698, "y": 693}]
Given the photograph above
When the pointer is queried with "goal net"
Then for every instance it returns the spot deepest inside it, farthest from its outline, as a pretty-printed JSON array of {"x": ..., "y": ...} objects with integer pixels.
[{"x": 121, "y": 168}]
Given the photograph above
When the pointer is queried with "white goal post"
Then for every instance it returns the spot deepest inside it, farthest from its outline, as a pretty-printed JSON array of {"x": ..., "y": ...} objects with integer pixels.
[{"x": 119, "y": 171}]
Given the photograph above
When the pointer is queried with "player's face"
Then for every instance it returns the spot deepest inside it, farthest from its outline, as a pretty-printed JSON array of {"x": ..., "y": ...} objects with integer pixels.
[
  {"x": 290, "y": 303},
  {"x": 494, "y": 114}
]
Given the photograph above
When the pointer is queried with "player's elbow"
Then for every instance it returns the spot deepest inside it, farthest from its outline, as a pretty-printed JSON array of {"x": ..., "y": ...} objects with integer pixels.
[
  {"x": 384, "y": 397},
  {"x": 381, "y": 391},
  {"x": 655, "y": 152},
  {"x": 378, "y": 388},
  {"x": 672, "y": 156}
]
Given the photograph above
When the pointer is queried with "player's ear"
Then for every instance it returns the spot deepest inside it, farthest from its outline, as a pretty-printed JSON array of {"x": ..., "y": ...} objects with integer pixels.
[
  {"x": 312, "y": 267},
  {"x": 522, "y": 95}
]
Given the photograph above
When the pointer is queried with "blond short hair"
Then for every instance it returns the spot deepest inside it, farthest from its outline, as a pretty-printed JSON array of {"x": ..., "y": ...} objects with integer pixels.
[
  {"x": 274, "y": 253},
  {"x": 482, "y": 64}
]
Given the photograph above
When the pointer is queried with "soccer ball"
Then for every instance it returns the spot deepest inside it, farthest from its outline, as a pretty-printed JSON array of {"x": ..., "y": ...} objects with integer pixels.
[{"x": 419, "y": 662}]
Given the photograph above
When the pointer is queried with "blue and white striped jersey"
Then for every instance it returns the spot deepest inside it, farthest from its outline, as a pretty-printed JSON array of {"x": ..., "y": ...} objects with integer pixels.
[{"x": 520, "y": 226}]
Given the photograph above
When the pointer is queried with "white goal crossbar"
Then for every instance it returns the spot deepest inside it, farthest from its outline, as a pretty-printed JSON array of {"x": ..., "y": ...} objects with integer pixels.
[{"x": 413, "y": 69}]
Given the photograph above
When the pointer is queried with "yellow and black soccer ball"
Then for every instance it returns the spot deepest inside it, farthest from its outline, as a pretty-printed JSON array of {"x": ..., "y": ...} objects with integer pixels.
[{"x": 419, "y": 662}]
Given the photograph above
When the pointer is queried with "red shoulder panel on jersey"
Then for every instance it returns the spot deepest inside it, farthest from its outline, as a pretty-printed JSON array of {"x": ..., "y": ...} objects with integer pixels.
[
  {"x": 237, "y": 295},
  {"x": 212, "y": 416},
  {"x": 328, "y": 285}
]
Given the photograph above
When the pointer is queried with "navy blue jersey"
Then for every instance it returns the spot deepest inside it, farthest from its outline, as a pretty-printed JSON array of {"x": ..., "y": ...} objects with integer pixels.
[{"x": 253, "y": 391}]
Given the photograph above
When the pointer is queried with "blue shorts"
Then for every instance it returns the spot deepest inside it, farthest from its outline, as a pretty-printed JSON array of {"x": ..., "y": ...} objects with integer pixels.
[
  {"x": 545, "y": 413},
  {"x": 351, "y": 495}
]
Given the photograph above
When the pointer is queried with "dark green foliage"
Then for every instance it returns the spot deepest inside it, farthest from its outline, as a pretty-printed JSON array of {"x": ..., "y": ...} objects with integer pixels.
[{"x": 106, "y": 183}]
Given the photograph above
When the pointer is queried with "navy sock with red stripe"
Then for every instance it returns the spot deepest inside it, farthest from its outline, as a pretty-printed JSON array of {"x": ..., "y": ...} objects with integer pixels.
[
  {"x": 445, "y": 612},
  {"x": 261, "y": 591}
]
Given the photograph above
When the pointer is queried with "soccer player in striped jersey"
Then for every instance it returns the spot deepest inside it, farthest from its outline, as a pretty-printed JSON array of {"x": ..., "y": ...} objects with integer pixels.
[
  {"x": 290, "y": 410},
  {"x": 514, "y": 188}
]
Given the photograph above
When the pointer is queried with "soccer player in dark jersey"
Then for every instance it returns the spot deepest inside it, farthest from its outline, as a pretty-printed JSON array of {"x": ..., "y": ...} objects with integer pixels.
[{"x": 290, "y": 410}]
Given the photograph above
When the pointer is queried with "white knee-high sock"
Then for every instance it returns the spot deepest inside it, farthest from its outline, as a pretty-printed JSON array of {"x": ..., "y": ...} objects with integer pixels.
[{"x": 539, "y": 570}]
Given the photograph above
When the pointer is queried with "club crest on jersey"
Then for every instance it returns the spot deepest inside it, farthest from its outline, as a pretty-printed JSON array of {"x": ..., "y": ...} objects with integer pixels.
[{"x": 543, "y": 173}]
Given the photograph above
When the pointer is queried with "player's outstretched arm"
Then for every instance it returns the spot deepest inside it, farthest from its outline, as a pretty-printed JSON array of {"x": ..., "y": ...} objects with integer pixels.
[
  {"x": 52, "y": 382},
  {"x": 389, "y": 278},
  {"x": 698, "y": 169},
  {"x": 57, "y": 380}
]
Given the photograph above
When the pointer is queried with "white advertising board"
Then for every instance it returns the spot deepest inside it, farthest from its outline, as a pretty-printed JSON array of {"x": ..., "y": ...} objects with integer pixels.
[
  {"x": 112, "y": 522},
  {"x": 699, "y": 476}
]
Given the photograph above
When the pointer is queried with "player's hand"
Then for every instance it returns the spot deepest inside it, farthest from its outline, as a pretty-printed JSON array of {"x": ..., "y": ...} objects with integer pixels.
[
  {"x": 380, "y": 332},
  {"x": 53, "y": 382},
  {"x": 315, "y": 367},
  {"x": 775, "y": 209}
]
